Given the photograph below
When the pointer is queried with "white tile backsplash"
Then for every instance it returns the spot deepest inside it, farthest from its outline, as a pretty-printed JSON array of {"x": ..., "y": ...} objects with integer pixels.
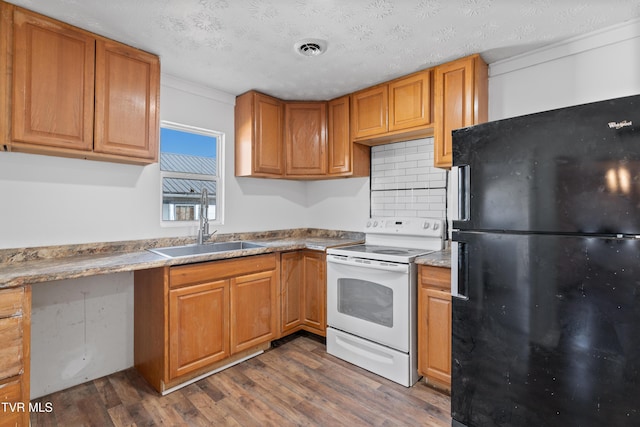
[{"x": 404, "y": 181}]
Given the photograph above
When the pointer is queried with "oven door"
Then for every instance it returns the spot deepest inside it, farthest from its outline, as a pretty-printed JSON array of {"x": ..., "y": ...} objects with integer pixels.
[{"x": 371, "y": 299}]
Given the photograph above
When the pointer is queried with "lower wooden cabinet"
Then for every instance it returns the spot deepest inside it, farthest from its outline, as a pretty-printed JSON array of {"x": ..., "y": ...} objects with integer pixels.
[
  {"x": 434, "y": 325},
  {"x": 203, "y": 308},
  {"x": 303, "y": 292},
  {"x": 192, "y": 319},
  {"x": 15, "y": 344},
  {"x": 254, "y": 309}
]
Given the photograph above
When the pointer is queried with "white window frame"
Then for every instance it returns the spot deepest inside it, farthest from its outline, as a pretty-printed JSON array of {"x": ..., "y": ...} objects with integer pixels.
[{"x": 218, "y": 178}]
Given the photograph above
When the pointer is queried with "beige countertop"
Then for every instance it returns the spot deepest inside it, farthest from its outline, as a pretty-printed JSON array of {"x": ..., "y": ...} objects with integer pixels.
[
  {"x": 22, "y": 266},
  {"x": 436, "y": 259}
]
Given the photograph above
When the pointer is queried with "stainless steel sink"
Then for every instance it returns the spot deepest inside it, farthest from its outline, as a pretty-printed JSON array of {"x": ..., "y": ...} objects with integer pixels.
[{"x": 189, "y": 250}]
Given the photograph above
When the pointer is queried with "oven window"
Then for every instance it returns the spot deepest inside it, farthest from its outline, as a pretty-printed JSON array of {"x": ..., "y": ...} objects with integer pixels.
[{"x": 366, "y": 300}]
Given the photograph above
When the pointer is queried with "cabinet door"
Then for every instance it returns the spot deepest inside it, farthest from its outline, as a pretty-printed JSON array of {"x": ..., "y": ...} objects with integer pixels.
[
  {"x": 127, "y": 85},
  {"x": 259, "y": 136},
  {"x": 410, "y": 101},
  {"x": 460, "y": 100},
  {"x": 254, "y": 310},
  {"x": 339, "y": 141},
  {"x": 434, "y": 325},
  {"x": 369, "y": 112},
  {"x": 291, "y": 291},
  {"x": 15, "y": 341},
  {"x": 198, "y": 326},
  {"x": 268, "y": 155},
  {"x": 306, "y": 138},
  {"x": 315, "y": 291},
  {"x": 53, "y": 83},
  {"x": 438, "y": 319}
]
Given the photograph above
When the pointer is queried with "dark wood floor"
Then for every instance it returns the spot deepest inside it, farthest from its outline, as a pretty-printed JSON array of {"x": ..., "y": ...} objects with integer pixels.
[{"x": 296, "y": 383}]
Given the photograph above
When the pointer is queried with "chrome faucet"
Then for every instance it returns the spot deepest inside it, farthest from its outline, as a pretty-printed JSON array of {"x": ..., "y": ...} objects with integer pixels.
[{"x": 203, "y": 231}]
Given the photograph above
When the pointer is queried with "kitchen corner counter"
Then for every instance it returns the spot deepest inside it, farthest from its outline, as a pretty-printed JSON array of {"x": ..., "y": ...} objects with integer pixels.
[
  {"x": 436, "y": 259},
  {"x": 43, "y": 264}
]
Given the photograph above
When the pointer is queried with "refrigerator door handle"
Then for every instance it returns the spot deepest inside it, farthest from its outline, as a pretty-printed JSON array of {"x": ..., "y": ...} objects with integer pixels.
[
  {"x": 459, "y": 269},
  {"x": 463, "y": 193}
]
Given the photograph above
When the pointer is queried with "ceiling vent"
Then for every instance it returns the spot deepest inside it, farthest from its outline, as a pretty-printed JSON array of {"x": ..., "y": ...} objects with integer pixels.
[{"x": 311, "y": 47}]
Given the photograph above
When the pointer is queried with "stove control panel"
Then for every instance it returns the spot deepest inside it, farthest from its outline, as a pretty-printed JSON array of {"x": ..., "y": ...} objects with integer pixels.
[{"x": 406, "y": 226}]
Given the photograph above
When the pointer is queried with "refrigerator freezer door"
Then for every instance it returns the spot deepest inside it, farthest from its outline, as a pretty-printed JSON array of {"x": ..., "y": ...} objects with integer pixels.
[
  {"x": 549, "y": 334},
  {"x": 572, "y": 170}
]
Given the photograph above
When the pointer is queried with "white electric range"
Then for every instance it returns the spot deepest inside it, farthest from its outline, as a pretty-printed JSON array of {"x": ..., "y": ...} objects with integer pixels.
[{"x": 372, "y": 296}]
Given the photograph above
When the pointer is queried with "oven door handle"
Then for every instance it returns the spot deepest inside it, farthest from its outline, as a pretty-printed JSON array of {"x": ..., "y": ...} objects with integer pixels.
[{"x": 367, "y": 263}]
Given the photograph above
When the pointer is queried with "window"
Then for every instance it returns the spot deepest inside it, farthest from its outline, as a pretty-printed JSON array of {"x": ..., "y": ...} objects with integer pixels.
[{"x": 190, "y": 160}]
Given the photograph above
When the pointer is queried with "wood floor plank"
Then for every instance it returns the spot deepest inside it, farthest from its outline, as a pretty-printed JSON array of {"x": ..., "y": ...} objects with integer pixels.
[
  {"x": 162, "y": 412},
  {"x": 389, "y": 397},
  {"x": 95, "y": 411},
  {"x": 296, "y": 383},
  {"x": 318, "y": 403},
  {"x": 207, "y": 406},
  {"x": 123, "y": 388},
  {"x": 238, "y": 387},
  {"x": 139, "y": 414},
  {"x": 107, "y": 393},
  {"x": 120, "y": 417},
  {"x": 277, "y": 397}
]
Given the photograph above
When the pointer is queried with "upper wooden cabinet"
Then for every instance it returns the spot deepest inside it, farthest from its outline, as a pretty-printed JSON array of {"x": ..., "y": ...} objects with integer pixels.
[
  {"x": 345, "y": 157},
  {"x": 295, "y": 140},
  {"x": 461, "y": 99},
  {"x": 127, "y": 82},
  {"x": 75, "y": 94},
  {"x": 370, "y": 112},
  {"x": 53, "y": 83},
  {"x": 410, "y": 101},
  {"x": 306, "y": 138},
  {"x": 395, "y": 111},
  {"x": 259, "y": 136}
]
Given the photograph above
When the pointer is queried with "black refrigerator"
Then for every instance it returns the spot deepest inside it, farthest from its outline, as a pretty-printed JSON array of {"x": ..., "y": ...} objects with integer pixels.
[{"x": 546, "y": 269}]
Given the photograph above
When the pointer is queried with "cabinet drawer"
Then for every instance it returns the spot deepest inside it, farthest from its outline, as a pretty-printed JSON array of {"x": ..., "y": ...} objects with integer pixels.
[
  {"x": 10, "y": 347},
  {"x": 11, "y": 301},
  {"x": 439, "y": 277},
  {"x": 216, "y": 270}
]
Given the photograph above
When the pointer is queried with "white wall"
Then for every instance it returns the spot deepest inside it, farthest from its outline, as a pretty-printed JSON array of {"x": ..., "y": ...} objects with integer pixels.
[
  {"x": 81, "y": 329},
  {"x": 593, "y": 67},
  {"x": 56, "y": 201},
  {"x": 338, "y": 204}
]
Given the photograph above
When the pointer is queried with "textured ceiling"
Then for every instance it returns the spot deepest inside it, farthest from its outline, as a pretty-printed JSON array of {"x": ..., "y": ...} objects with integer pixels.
[{"x": 237, "y": 45}]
